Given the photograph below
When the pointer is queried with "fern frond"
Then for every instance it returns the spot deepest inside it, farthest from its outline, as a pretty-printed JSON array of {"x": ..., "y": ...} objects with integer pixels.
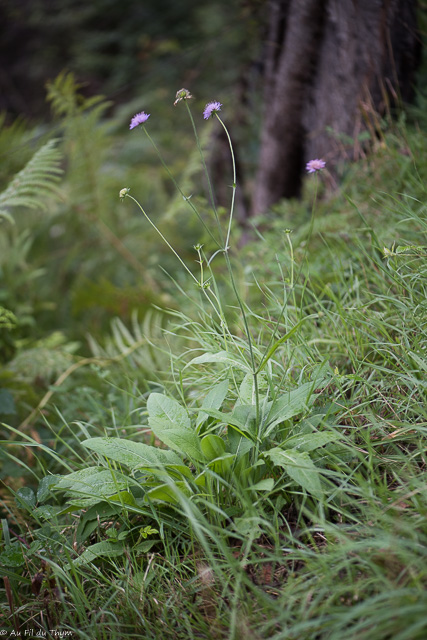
[
  {"x": 64, "y": 97},
  {"x": 136, "y": 346},
  {"x": 15, "y": 147},
  {"x": 34, "y": 182},
  {"x": 7, "y": 319}
]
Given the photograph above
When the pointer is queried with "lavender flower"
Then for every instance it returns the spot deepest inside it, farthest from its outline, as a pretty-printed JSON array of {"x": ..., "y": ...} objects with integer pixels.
[
  {"x": 211, "y": 108},
  {"x": 140, "y": 118},
  {"x": 315, "y": 165}
]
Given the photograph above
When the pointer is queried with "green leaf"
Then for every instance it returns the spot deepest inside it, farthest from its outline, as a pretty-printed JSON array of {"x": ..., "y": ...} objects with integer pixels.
[
  {"x": 290, "y": 405},
  {"x": 263, "y": 485},
  {"x": 168, "y": 411},
  {"x": 25, "y": 496},
  {"x": 213, "y": 400},
  {"x": 43, "y": 491},
  {"x": 248, "y": 526},
  {"x": 12, "y": 556},
  {"x": 237, "y": 444},
  {"x": 249, "y": 474},
  {"x": 169, "y": 421},
  {"x": 281, "y": 340},
  {"x": 422, "y": 363},
  {"x": 237, "y": 421},
  {"x": 212, "y": 446},
  {"x": 223, "y": 357},
  {"x": 311, "y": 441},
  {"x": 91, "y": 519},
  {"x": 7, "y": 404},
  {"x": 124, "y": 497},
  {"x": 144, "y": 546},
  {"x": 132, "y": 454},
  {"x": 247, "y": 387},
  {"x": 244, "y": 417},
  {"x": 98, "y": 550},
  {"x": 47, "y": 511},
  {"x": 94, "y": 482},
  {"x": 222, "y": 464},
  {"x": 299, "y": 466},
  {"x": 35, "y": 182},
  {"x": 168, "y": 493},
  {"x": 177, "y": 471}
]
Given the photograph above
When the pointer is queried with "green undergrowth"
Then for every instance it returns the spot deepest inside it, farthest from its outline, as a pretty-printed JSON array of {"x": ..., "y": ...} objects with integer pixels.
[{"x": 250, "y": 469}]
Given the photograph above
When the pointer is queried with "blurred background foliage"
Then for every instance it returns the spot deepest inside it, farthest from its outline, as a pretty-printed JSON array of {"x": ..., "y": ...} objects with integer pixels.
[{"x": 124, "y": 49}]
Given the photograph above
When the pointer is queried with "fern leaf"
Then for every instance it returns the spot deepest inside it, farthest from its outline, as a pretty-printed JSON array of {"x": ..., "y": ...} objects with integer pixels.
[
  {"x": 7, "y": 319},
  {"x": 36, "y": 181}
]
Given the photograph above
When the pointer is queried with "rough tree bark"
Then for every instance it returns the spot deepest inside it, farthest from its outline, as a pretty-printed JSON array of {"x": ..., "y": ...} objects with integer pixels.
[{"x": 328, "y": 63}]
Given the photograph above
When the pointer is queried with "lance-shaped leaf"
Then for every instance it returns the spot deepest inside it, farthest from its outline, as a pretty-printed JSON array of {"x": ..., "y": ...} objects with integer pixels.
[
  {"x": 311, "y": 441},
  {"x": 98, "y": 550},
  {"x": 299, "y": 466},
  {"x": 95, "y": 482},
  {"x": 213, "y": 400},
  {"x": 135, "y": 455},
  {"x": 289, "y": 405},
  {"x": 223, "y": 357},
  {"x": 169, "y": 421}
]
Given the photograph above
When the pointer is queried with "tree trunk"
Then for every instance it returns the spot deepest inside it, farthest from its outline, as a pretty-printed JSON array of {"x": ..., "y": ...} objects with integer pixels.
[{"x": 329, "y": 66}]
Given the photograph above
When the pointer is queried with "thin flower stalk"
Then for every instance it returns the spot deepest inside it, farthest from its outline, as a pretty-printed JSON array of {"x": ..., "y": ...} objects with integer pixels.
[
  {"x": 176, "y": 185},
  {"x": 213, "y": 290},
  {"x": 233, "y": 186},
  {"x": 314, "y": 166},
  {"x": 126, "y": 195},
  {"x": 210, "y": 295},
  {"x": 211, "y": 194},
  {"x": 215, "y": 108}
]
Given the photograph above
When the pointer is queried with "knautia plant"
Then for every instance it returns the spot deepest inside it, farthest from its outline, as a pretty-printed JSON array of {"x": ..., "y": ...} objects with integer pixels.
[
  {"x": 266, "y": 435},
  {"x": 249, "y": 445}
]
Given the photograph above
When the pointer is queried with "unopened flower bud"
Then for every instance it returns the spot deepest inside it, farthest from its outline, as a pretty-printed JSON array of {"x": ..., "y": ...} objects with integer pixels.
[{"x": 182, "y": 94}]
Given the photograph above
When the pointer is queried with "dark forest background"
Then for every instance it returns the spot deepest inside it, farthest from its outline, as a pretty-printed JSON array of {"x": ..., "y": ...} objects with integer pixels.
[{"x": 300, "y": 78}]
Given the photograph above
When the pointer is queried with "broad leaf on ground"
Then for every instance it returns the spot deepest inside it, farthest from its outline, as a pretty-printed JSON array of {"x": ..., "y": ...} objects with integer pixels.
[
  {"x": 132, "y": 454},
  {"x": 289, "y": 405},
  {"x": 170, "y": 422},
  {"x": 299, "y": 466}
]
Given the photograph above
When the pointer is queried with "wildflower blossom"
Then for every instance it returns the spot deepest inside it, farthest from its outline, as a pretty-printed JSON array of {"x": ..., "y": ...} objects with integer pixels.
[
  {"x": 140, "y": 118},
  {"x": 315, "y": 165},
  {"x": 211, "y": 108}
]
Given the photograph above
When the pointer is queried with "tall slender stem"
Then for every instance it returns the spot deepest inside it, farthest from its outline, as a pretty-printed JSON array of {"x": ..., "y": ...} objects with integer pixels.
[
  {"x": 226, "y": 254},
  {"x": 163, "y": 238},
  {"x": 234, "y": 185},
  {"x": 211, "y": 193},
  {"x": 185, "y": 198}
]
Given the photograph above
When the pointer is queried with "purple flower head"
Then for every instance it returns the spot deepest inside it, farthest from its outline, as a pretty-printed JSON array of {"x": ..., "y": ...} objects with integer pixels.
[
  {"x": 315, "y": 165},
  {"x": 211, "y": 108},
  {"x": 140, "y": 118}
]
